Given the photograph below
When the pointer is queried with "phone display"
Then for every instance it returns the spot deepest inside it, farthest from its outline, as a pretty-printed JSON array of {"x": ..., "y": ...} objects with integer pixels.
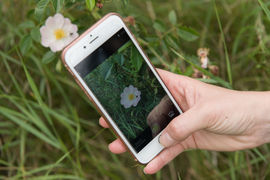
[{"x": 122, "y": 81}]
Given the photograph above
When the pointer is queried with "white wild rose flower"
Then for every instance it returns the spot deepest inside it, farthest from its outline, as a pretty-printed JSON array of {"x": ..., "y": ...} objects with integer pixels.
[
  {"x": 58, "y": 32},
  {"x": 130, "y": 96}
]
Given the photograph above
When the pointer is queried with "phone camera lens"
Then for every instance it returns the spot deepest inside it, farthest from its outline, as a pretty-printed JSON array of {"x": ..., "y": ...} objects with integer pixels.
[
  {"x": 84, "y": 47},
  {"x": 90, "y": 35}
]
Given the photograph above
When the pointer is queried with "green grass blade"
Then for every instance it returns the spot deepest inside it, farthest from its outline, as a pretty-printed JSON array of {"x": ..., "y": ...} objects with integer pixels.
[
  {"x": 36, "y": 170},
  {"x": 47, "y": 168},
  {"x": 56, "y": 177},
  {"x": 265, "y": 9},
  {"x": 33, "y": 118},
  {"x": 4, "y": 163},
  {"x": 58, "y": 162},
  {"x": 10, "y": 115},
  {"x": 260, "y": 154},
  {"x": 228, "y": 63},
  {"x": 36, "y": 92},
  {"x": 244, "y": 165}
]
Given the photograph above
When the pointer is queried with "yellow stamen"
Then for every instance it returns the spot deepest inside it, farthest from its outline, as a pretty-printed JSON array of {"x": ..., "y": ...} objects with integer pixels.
[
  {"x": 131, "y": 97},
  {"x": 59, "y": 34}
]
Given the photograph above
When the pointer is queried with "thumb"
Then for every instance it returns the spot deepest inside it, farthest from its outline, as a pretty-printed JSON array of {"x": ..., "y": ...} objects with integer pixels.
[{"x": 181, "y": 127}]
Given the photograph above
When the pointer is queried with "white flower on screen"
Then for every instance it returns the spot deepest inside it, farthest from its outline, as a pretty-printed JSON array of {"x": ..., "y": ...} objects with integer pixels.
[
  {"x": 130, "y": 96},
  {"x": 58, "y": 32}
]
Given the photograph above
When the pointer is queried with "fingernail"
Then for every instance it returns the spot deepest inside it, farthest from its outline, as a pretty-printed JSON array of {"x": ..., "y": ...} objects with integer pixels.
[
  {"x": 109, "y": 146},
  {"x": 166, "y": 140}
]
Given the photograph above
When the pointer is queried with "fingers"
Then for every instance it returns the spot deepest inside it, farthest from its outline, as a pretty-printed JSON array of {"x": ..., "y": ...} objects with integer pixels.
[
  {"x": 166, "y": 75},
  {"x": 103, "y": 123},
  {"x": 170, "y": 78},
  {"x": 178, "y": 85},
  {"x": 117, "y": 147},
  {"x": 163, "y": 158},
  {"x": 182, "y": 126},
  {"x": 158, "y": 162}
]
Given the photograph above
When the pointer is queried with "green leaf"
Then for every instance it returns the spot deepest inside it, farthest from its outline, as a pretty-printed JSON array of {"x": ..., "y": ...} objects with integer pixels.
[
  {"x": 58, "y": 4},
  {"x": 90, "y": 4},
  {"x": 48, "y": 57},
  {"x": 108, "y": 73},
  {"x": 25, "y": 44},
  {"x": 125, "y": 2},
  {"x": 136, "y": 59},
  {"x": 35, "y": 34},
  {"x": 27, "y": 24},
  {"x": 172, "y": 17},
  {"x": 41, "y": 6},
  {"x": 58, "y": 66},
  {"x": 159, "y": 26},
  {"x": 187, "y": 34},
  {"x": 171, "y": 41},
  {"x": 265, "y": 9},
  {"x": 122, "y": 60}
]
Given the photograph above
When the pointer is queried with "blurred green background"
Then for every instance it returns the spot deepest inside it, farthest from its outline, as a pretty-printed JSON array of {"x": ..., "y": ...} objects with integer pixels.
[{"x": 49, "y": 129}]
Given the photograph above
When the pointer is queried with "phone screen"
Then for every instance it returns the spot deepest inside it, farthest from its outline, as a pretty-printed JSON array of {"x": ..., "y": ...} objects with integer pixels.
[{"x": 128, "y": 90}]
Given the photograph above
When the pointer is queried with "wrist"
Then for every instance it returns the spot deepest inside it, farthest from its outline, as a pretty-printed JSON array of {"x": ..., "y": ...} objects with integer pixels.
[{"x": 261, "y": 115}]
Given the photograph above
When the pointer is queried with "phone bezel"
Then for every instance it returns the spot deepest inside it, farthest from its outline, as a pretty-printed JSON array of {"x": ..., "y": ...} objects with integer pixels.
[{"x": 76, "y": 52}]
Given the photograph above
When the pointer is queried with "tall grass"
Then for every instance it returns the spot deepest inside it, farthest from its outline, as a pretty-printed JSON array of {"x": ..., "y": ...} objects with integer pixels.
[{"x": 48, "y": 128}]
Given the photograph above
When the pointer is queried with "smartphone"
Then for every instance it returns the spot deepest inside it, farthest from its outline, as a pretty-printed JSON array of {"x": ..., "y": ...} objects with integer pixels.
[{"x": 110, "y": 66}]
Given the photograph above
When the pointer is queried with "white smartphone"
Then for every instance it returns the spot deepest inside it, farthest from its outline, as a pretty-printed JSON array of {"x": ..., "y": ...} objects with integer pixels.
[{"x": 110, "y": 66}]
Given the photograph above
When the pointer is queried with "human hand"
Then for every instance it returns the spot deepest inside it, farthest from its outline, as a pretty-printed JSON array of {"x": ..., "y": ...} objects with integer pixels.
[{"x": 214, "y": 118}]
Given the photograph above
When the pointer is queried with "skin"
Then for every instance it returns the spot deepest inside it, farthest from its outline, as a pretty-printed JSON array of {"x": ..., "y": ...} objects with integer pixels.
[{"x": 214, "y": 119}]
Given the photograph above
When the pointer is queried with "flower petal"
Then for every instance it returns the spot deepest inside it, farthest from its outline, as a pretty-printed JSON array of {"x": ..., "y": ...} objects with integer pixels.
[
  {"x": 136, "y": 101},
  {"x": 47, "y": 36},
  {"x": 123, "y": 101},
  {"x": 131, "y": 88},
  {"x": 137, "y": 93},
  {"x": 57, "y": 45},
  {"x": 69, "y": 39},
  {"x": 68, "y": 27},
  {"x": 122, "y": 95},
  {"x": 55, "y": 22},
  {"x": 126, "y": 90},
  {"x": 73, "y": 37},
  {"x": 128, "y": 104}
]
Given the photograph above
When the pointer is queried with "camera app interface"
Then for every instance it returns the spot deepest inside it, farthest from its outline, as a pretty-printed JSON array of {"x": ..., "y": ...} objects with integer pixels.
[{"x": 126, "y": 87}]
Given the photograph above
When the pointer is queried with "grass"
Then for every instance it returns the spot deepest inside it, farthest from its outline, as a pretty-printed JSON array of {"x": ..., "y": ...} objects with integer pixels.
[{"x": 48, "y": 128}]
